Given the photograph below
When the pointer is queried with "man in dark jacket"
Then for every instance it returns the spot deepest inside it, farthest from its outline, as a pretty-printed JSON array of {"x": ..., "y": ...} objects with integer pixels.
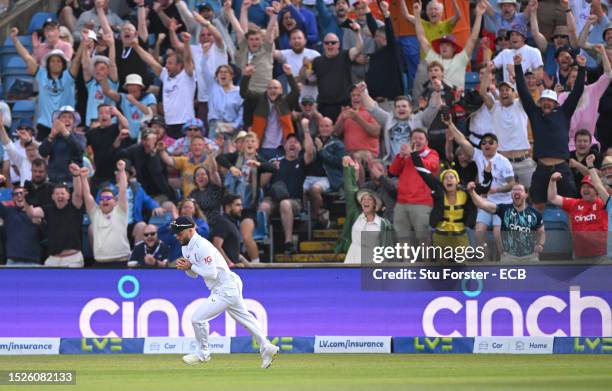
[
  {"x": 550, "y": 123},
  {"x": 23, "y": 236},
  {"x": 271, "y": 119},
  {"x": 149, "y": 167}
]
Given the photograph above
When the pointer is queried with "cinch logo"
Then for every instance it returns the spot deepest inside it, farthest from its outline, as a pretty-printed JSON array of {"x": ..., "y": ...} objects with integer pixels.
[
  {"x": 479, "y": 321},
  {"x": 586, "y": 218},
  {"x": 135, "y": 321},
  {"x": 426, "y": 344},
  {"x": 516, "y": 227},
  {"x": 591, "y": 345}
]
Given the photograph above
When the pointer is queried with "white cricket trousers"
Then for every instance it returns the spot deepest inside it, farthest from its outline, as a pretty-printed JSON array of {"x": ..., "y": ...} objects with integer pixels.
[{"x": 227, "y": 297}]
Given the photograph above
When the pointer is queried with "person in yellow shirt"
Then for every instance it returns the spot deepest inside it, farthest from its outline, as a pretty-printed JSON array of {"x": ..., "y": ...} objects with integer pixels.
[{"x": 199, "y": 156}]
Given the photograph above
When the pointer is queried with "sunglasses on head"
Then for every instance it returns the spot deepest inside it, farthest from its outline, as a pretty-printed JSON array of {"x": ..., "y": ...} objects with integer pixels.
[{"x": 149, "y": 234}]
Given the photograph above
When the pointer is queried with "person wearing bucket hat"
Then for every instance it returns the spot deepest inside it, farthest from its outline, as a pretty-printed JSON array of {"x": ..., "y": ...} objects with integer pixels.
[
  {"x": 447, "y": 51},
  {"x": 588, "y": 216},
  {"x": 550, "y": 123},
  {"x": 532, "y": 57},
  {"x": 505, "y": 15},
  {"x": 61, "y": 146},
  {"x": 56, "y": 82},
  {"x": 362, "y": 206},
  {"x": 52, "y": 42},
  {"x": 98, "y": 72},
  {"x": 137, "y": 106}
]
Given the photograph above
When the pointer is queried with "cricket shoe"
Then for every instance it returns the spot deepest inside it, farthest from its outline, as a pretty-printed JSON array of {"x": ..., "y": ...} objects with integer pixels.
[
  {"x": 194, "y": 359},
  {"x": 268, "y": 355}
]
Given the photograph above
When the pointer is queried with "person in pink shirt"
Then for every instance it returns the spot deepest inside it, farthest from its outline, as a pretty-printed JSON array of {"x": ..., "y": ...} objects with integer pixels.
[
  {"x": 52, "y": 41},
  {"x": 586, "y": 114}
]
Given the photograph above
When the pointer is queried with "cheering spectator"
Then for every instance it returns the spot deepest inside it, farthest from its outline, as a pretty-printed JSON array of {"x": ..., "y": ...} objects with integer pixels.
[
  {"x": 136, "y": 104},
  {"x": 61, "y": 146},
  {"x": 225, "y": 109},
  {"x": 64, "y": 218},
  {"x": 398, "y": 126},
  {"x": 272, "y": 111},
  {"x": 585, "y": 116},
  {"x": 105, "y": 140},
  {"x": 150, "y": 169},
  {"x": 24, "y": 236},
  {"x": 287, "y": 185},
  {"x": 507, "y": 17},
  {"x": 39, "y": 189},
  {"x": 361, "y": 132},
  {"x": 151, "y": 252},
  {"x": 522, "y": 230},
  {"x": 384, "y": 75},
  {"x": 509, "y": 123},
  {"x": 97, "y": 72},
  {"x": 198, "y": 156},
  {"x": 226, "y": 233},
  {"x": 51, "y": 31},
  {"x": 604, "y": 189},
  {"x": 331, "y": 71},
  {"x": 20, "y": 153},
  {"x": 501, "y": 183},
  {"x": 55, "y": 82},
  {"x": 208, "y": 190},
  {"x": 188, "y": 208},
  {"x": 109, "y": 222},
  {"x": 128, "y": 61},
  {"x": 383, "y": 185},
  {"x": 192, "y": 128},
  {"x": 296, "y": 56},
  {"x": 588, "y": 216},
  {"x": 414, "y": 201},
  {"x": 550, "y": 124},
  {"x": 362, "y": 206},
  {"x": 333, "y": 22},
  {"x": 531, "y": 58},
  {"x": 208, "y": 54},
  {"x": 310, "y": 23},
  {"x": 584, "y": 148},
  {"x": 179, "y": 84},
  {"x": 91, "y": 19},
  {"x": 325, "y": 172},
  {"x": 446, "y": 51},
  {"x": 254, "y": 48},
  {"x": 289, "y": 19}
]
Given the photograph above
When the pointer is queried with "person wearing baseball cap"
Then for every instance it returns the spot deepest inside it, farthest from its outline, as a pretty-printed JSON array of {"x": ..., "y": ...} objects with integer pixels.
[
  {"x": 51, "y": 42},
  {"x": 447, "y": 51},
  {"x": 532, "y": 58},
  {"x": 56, "y": 82}
]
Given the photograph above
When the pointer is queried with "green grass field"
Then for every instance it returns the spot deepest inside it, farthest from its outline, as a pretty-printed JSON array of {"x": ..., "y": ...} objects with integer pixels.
[{"x": 326, "y": 372}]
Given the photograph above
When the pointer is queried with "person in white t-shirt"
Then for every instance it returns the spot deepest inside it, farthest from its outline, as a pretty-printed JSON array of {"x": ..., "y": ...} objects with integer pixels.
[
  {"x": 201, "y": 258},
  {"x": 480, "y": 120},
  {"x": 109, "y": 222},
  {"x": 446, "y": 51},
  {"x": 210, "y": 42},
  {"x": 532, "y": 57},
  {"x": 295, "y": 57},
  {"x": 502, "y": 182},
  {"x": 510, "y": 122},
  {"x": 179, "y": 84}
]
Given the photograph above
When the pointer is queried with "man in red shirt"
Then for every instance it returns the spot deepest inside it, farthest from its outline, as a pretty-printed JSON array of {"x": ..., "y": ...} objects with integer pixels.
[
  {"x": 360, "y": 129},
  {"x": 414, "y": 202},
  {"x": 588, "y": 217}
]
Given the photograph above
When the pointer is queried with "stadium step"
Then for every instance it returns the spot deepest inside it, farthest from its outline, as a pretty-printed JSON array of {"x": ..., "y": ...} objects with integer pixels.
[
  {"x": 318, "y": 234},
  {"x": 317, "y": 246},
  {"x": 309, "y": 258}
]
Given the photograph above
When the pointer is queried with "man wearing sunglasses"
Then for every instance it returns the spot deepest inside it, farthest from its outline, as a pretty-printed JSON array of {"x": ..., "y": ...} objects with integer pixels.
[
  {"x": 201, "y": 258},
  {"x": 152, "y": 252},
  {"x": 502, "y": 182},
  {"x": 109, "y": 222},
  {"x": 23, "y": 237}
]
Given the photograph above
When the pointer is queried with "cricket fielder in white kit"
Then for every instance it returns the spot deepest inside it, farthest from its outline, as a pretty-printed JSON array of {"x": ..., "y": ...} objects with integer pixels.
[{"x": 201, "y": 258}]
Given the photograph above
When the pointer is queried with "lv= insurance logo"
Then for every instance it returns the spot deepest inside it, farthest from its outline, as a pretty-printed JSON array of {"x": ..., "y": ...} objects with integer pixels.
[{"x": 426, "y": 344}]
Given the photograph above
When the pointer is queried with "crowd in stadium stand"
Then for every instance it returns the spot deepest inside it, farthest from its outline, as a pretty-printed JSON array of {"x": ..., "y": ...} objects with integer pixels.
[{"x": 232, "y": 112}]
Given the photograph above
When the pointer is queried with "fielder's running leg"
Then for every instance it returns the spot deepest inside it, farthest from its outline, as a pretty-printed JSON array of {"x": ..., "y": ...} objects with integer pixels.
[{"x": 210, "y": 309}]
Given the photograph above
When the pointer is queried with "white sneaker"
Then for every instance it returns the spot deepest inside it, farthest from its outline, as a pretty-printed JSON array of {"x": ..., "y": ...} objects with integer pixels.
[
  {"x": 268, "y": 355},
  {"x": 194, "y": 359}
]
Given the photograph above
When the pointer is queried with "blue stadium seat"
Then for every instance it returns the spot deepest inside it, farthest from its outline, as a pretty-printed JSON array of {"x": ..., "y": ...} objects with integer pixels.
[
  {"x": 14, "y": 66},
  {"x": 160, "y": 221},
  {"x": 39, "y": 19},
  {"x": 8, "y": 46},
  {"x": 6, "y": 194},
  {"x": 471, "y": 80},
  {"x": 23, "y": 106}
]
